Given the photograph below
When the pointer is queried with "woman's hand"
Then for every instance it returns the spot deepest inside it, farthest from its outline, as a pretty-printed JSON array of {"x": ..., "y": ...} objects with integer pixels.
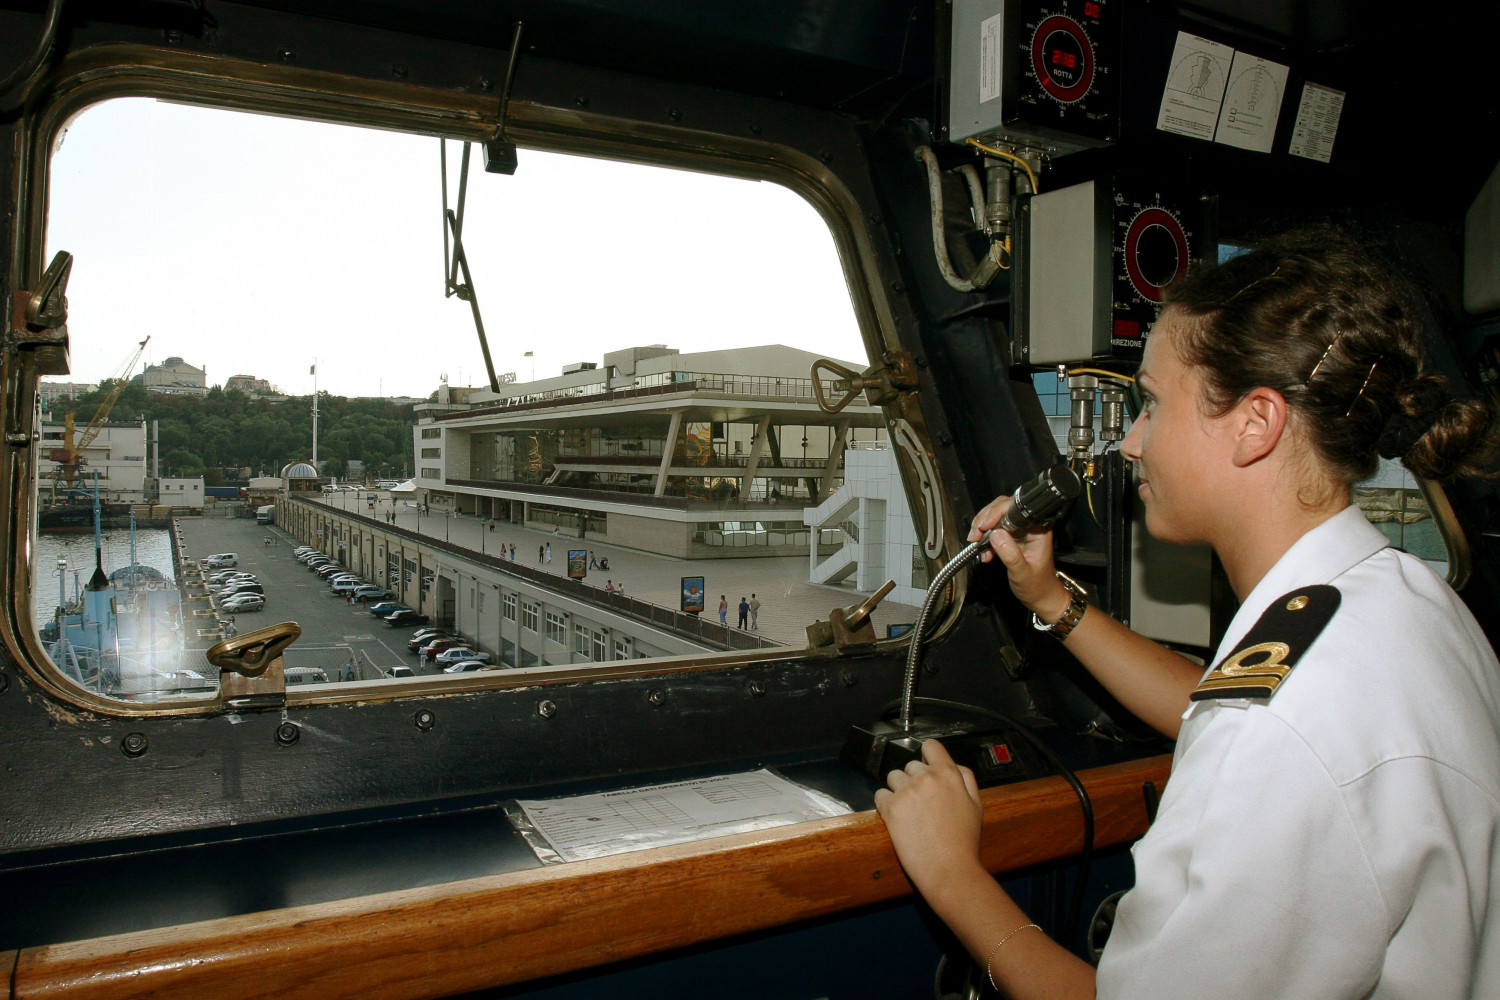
[
  {"x": 932, "y": 811},
  {"x": 1027, "y": 559}
]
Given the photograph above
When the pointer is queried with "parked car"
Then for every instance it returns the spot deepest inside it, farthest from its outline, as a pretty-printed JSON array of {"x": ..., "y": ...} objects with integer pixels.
[
  {"x": 436, "y": 646},
  {"x": 457, "y": 654},
  {"x": 406, "y": 616},
  {"x": 243, "y": 602},
  {"x": 220, "y": 575},
  {"x": 400, "y": 672},
  {"x": 308, "y": 554},
  {"x": 242, "y": 588},
  {"x": 330, "y": 570},
  {"x": 464, "y": 666},
  {"x": 219, "y": 560},
  {"x": 347, "y": 586},
  {"x": 382, "y": 608},
  {"x": 417, "y": 645},
  {"x": 423, "y": 636},
  {"x": 370, "y": 592},
  {"x": 343, "y": 577},
  {"x": 306, "y": 675}
]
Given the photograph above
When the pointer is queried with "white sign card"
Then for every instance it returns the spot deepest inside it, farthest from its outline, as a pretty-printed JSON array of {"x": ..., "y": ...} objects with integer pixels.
[
  {"x": 1317, "y": 123},
  {"x": 1195, "y": 87},
  {"x": 1252, "y": 103}
]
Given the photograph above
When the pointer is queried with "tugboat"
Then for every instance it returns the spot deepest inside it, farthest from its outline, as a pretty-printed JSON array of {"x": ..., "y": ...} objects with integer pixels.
[{"x": 121, "y": 636}]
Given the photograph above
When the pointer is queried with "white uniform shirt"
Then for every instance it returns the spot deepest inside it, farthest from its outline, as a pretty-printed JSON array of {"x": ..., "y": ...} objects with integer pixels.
[{"x": 1340, "y": 839}]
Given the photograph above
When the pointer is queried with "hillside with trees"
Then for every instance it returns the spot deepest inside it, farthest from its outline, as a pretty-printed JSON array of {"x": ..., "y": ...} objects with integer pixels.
[{"x": 228, "y": 430}]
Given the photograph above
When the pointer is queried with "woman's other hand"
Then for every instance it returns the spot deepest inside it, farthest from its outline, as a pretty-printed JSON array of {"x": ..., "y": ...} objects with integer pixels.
[{"x": 933, "y": 813}]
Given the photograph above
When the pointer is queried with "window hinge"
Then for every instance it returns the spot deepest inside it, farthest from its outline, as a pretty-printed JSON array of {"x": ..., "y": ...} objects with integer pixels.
[{"x": 881, "y": 384}]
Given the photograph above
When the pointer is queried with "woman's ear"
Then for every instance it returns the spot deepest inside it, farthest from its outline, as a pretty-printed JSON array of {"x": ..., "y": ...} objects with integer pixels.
[{"x": 1259, "y": 423}]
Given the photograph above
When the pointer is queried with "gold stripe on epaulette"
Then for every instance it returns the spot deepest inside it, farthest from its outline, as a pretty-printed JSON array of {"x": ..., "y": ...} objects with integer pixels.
[
  {"x": 1267, "y": 683},
  {"x": 1267, "y": 674}
]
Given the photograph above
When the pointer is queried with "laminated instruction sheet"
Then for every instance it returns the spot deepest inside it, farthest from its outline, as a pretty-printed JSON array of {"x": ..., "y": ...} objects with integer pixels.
[{"x": 632, "y": 819}]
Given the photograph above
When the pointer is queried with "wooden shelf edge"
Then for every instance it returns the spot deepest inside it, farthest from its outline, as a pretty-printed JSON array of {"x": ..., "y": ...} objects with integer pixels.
[{"x": 440, "y": 940}]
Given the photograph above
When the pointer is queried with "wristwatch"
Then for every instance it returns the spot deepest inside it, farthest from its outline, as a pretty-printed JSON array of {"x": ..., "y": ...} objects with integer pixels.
[{"x": 1065, "y": 625}]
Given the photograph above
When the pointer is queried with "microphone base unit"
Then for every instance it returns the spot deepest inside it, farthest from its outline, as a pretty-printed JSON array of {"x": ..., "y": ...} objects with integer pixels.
[{"x": 996, "y": 754}]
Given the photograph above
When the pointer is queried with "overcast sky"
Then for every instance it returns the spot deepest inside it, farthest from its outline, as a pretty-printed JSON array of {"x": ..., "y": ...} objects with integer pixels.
[{"x": 253, "y": 245}]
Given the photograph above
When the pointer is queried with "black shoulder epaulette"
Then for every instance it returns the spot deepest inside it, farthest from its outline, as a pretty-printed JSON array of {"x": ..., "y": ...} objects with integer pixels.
[{"x": 1272, "y": 647}]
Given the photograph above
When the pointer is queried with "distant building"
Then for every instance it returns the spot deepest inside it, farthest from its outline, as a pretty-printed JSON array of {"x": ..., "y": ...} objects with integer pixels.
[
  {"x": 49, "y": 391},
  {"x": 301, "y": 477},
  {"x": 117, "y": 454},
  {"x": 173, "y": 377},
  {"x": 877, "y": 540},
  {"x": 182, "y": 492},
  {"x": 249, "y": 385},
  {"x": 705, "y": 455}
]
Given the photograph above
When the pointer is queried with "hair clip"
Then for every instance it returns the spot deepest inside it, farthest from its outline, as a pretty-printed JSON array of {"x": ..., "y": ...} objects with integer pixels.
[
  {"x": 1329, "y": 350},
  {"x": 1242, "y": 291},
  {"x": 1368, "y": 375}
]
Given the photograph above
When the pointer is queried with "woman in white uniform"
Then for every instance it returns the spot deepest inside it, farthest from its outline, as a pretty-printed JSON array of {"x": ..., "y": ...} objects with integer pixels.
[{"x": 1332, "y": 824}]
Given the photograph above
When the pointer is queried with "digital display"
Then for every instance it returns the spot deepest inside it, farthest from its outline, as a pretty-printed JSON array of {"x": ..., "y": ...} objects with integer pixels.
[
  {"x": 1090, "y": 10},
  {"x": 1061, "y": 58}
]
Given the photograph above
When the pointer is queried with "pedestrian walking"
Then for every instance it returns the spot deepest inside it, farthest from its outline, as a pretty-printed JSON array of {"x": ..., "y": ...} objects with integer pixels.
[
  {"x": 593, "y": 562},
  {"x": 744, "y": 612},
  {"x": 723, "y": 610},
  {"x": 549, "y": 554},
  {"x": 512, "y": 551},
  {"x": 755, "y": 612},
  {"x": 541, "y": 554}
]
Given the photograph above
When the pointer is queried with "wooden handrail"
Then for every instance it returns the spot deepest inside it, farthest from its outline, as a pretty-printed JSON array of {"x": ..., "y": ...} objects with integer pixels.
[{"x": 440, "y": 940}]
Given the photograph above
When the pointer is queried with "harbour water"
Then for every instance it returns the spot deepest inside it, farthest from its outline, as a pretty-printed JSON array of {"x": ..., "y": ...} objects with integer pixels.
[{"x": 153, "y": 547}]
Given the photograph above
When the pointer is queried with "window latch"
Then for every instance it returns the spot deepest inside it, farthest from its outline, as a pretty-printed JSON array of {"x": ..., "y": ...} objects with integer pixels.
[
  {"x": 251, "y": 672},
  {"x": 880, "y": 384},
  {"x": 851, "y": 626},
  {"x": 39, "y": 318}
]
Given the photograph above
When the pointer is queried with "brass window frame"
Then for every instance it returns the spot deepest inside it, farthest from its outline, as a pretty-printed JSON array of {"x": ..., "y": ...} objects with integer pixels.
[{"x": 93, "y": 76}]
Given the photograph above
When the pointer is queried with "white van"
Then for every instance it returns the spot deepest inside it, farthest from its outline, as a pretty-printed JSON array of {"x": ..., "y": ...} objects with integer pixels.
[
  {"x": 266, "y": 514},
  {"x": 221, "y": 560}
]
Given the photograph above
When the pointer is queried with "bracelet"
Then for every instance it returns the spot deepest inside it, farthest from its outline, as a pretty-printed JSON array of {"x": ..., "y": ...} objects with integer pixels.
[{"x": 990, "y": 975}]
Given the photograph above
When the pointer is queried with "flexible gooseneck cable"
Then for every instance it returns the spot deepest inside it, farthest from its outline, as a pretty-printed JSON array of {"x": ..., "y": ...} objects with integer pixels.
[{"x": 939, "y": 583}]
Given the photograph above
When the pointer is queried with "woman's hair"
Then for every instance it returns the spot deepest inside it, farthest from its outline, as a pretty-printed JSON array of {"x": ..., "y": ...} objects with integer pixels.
[{"x": 1312, "y": 315}]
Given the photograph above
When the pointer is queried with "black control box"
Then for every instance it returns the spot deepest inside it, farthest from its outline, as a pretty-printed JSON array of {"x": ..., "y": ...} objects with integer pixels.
[{"x": 997, "y": 754}]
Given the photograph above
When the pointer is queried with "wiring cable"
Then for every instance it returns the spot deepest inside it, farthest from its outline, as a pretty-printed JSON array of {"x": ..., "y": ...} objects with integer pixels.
[
  {"x": 1086, "y": 856},
  {"x": 39, "y": 54},
  {"x": 991, "y": 150}
]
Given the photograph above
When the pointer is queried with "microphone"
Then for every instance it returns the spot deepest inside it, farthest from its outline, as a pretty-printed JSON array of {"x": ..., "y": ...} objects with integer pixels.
[
  {"x": 1039, "y": 501},
  {"x": 884, "y": 746}
]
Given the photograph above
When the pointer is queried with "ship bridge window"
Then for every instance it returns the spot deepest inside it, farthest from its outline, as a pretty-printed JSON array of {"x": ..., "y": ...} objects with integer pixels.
[{"x": 625, "y": 448}]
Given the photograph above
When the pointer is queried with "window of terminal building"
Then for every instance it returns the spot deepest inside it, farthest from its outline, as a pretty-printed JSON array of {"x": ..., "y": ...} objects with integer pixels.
[
  {"x": 678, "y": 439},
  {"x": 557, "y": 628}
]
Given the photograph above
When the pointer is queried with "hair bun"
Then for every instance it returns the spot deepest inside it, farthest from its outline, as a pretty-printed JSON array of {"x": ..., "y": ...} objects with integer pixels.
[{"x": 1417, "y": 411}]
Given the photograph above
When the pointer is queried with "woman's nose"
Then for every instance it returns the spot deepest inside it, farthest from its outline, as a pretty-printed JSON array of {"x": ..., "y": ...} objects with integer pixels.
[{"x": 1131, "y": 446}]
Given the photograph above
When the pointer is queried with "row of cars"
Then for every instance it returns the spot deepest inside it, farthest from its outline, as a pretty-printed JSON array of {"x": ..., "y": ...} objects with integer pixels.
[
  {"x": 438, "y": 645},
  {"x": 449, "y": 650},
  {"x": 233, "y": 590},
  {"x": 340, "y": 581}
]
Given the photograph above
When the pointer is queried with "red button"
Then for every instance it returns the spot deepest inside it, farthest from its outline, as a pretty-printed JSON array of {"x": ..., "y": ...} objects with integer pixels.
[{"x": 999, "y": 753}]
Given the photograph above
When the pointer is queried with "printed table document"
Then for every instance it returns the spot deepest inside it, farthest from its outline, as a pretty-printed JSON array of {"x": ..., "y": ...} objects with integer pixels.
[{"x": 632, "y": 819}]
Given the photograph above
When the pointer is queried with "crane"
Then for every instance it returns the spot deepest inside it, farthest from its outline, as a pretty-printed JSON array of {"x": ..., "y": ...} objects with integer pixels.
[{"x": 70, "y": 456}]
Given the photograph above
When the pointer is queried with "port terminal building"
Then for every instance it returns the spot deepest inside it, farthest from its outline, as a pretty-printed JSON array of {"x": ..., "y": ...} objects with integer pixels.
[{"x": 705, "y": 455}]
